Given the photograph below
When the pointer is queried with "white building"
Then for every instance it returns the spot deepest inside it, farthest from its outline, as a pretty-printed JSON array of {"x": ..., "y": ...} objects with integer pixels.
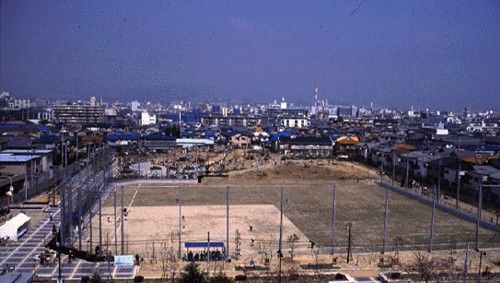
[
  {"x": 147, "y": 119},
  {"x": 295, "y": 122},
  {"x": 135, "y": 105},
  {"x": 283, "y": 104}
]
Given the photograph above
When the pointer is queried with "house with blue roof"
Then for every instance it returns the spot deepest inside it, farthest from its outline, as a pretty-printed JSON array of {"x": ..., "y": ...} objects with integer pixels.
[{"x": 158, "y": 142}]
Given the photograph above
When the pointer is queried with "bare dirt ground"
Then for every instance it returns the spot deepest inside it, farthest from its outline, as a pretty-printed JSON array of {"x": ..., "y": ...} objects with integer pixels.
[
  {"x": 309, "y": 206},
  {"x": 307, "y": 186},
  {"x": 145, "y": 224}
]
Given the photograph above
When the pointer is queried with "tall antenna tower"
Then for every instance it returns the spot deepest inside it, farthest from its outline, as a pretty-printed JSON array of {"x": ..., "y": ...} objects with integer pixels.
[{"x": 316, "y": 95}]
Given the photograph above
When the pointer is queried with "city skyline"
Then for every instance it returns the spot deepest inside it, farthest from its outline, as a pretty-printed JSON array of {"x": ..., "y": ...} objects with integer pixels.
[{"x": 429, "y": 55}]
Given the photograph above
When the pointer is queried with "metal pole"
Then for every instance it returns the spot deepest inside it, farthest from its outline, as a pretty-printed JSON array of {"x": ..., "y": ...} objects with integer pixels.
[
  {"x": 59, "y": 276},
  {"x": 91, "y": 246},
  {"x": 77, "y": 146},
  {"x": 227, "y": 222},
  {"x": 208, "y": 254},
  {"x": 386, "y": 211},
  {"x": 123, "y": 226},
  {"x": 334, "y": 217},
  {"x": 381, "y": 168},
  {"x": 79, "y": 196},
  {"x": 100, "y": 224},
  {"x": 114, "y": 211},
  {"x": 180, "y": 224},
  {"x": 466, "y": 258},
  {"x": 439, "y": 182},
  {"x": 480, "y": 265},
  {"x": 65, "y": 159},
  {"x": 63, "y": 214},
  {"x": 393, "y": 168},
  {"x": 349, "y": 226},
  {"x": 280, "y": 251},
  {"x": 479, "y": 208},
  {"x": 407, "y": 171},
  {"x": 458, "y": 184},
  {"x": 431, "y": 238}
]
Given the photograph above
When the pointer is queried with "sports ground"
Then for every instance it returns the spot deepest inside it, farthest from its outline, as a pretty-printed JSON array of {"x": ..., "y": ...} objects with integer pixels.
[{"x": 153, "y": 215}]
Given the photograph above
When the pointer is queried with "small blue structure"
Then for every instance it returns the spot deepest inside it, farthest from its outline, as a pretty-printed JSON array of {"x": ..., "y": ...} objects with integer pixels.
[
  {"x": 192, "y": 245},
  {"x": 204, "y": 251}
]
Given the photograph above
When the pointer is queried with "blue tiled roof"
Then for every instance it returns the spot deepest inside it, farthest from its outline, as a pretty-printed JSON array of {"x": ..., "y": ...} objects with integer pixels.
[
  {"x": 23, "y": 126},
  {"x": 123, "y": 136},
  {"x": 158, "y": 137},
  {"x": 47, "y": 139}
]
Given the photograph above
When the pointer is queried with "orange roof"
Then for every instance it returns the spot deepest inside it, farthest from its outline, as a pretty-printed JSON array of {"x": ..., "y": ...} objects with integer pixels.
[
  {"x": 405, "y": 146},
  {"x": 345, "y": 140},
  {"x": 480, "y": 159}
]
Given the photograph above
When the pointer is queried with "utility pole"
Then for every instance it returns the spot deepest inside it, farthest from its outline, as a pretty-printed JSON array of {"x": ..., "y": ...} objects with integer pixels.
[
  {"x": 79, "y": 197},
  {"x": 481, "y": 254},
  {"x": 381, "y": 167},
  {"x": 63, "y": 214},
  {"x": 123, "y": 226},
  {"x": 439, "y": 181},
  {"x": 77, "y": 145},
  {"x": 393, "y": 168},
  {"x": 208, "y": 254},
  {"x": 458, "y": 183},
  {"x": 386, "y": 212},
  {"x": 466, "y": 263},
  {"x": 227, "y": 223},
  {"x": 431, "y": 238},
  {"x": 90, "y": 231},
  {"x": 407, "y": 171},
  {"x": 334, "y": 217},
  {"x": 479, "y": 209},
  {"x": 280, "y": 251},
  {"x": 349, "y": 227},
  {"x": 114, "y": 211},
  {"x": 179, "y": 195},
  {"x": 100, "y": 222}
]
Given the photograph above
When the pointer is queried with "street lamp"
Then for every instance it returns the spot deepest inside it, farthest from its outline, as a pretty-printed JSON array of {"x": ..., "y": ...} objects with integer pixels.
[{"x": 349, "y": 227}]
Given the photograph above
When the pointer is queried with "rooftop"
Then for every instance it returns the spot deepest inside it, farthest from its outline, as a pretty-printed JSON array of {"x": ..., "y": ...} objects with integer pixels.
[{"x": 10, "y": 158}]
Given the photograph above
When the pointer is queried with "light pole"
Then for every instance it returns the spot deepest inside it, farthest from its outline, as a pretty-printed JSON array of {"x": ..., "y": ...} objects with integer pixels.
[
  {"x": 480, "y": 206},
  {"x": 349, "y": 227},
  {"x": 433, "y": 221},
  {"x": 280, "y": 251},
  {"x": 58, "y": 245},
  {"x": 180, "y": 222},
  {"x": 481, "y": 254},
  {"x": 459, "y": 176},
  {"x": 227, "y": 222},
  {"x": 334, "y": 217}
]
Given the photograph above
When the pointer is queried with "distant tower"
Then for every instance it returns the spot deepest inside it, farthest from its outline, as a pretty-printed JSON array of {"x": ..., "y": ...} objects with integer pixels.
[{"x": 316, "y": 95}]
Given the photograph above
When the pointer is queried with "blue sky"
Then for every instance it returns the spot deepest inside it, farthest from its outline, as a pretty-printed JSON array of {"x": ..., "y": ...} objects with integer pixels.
[{"x": 436, "y": 54}]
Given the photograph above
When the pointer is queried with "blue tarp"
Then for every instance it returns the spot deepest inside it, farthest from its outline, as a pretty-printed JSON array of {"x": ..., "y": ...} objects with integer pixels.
[{"x": 190, "y": 245}]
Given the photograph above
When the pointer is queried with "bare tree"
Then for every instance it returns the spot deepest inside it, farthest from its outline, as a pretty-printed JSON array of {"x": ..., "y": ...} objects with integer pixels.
[
  {"x": 291, "y": 240},
  {"x": 427, "y": 268},
  {"x": 237, "y": 245}
]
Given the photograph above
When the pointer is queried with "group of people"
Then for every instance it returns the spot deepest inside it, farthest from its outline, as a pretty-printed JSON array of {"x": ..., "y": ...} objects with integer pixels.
[
  {"x": 214, "y": 256},
  {"x": 46, "y": 257}
]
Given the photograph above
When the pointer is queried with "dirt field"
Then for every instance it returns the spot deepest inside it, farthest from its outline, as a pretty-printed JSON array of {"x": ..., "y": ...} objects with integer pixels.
[
  {"x": 308, "y": 206},
  {"x": 145, "y": 224}
]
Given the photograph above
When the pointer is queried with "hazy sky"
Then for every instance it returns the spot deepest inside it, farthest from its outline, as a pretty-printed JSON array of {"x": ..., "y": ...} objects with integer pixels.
[{"x": 396, "y": 53}]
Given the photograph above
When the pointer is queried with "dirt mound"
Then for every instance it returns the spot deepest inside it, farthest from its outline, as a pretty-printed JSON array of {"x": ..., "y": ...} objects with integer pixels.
[{"x": 307, "y": 169}]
